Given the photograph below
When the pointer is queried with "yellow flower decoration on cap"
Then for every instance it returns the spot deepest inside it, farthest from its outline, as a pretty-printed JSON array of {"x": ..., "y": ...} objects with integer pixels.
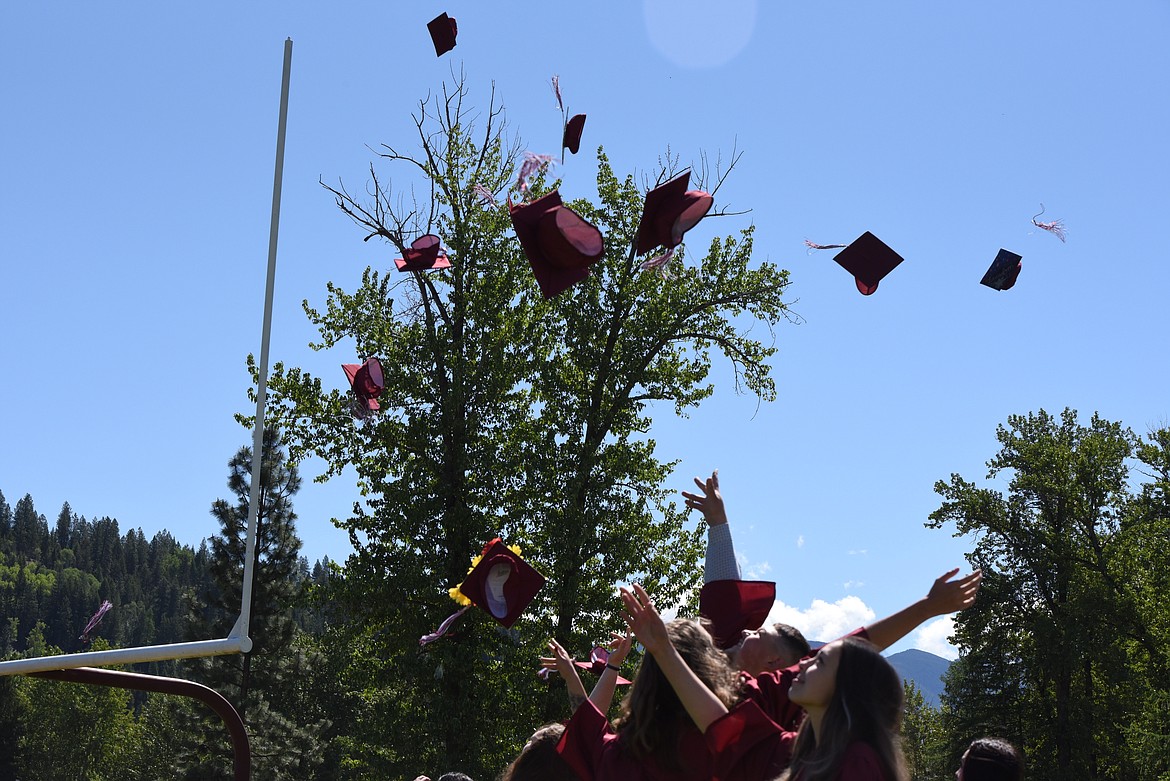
[{"x": 458, "y": 595}]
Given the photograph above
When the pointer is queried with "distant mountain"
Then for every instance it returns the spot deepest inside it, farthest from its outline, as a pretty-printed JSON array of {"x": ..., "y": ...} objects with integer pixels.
[{"x": 925, "y": 670}]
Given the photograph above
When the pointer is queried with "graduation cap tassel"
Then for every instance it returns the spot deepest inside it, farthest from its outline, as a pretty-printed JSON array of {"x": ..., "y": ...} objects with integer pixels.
[
  {"x": 811, "y": 245},
  {"x": 1056, "y": 227},
  {"x": 487, "y": 195},
  {"x": 556, "y": 85},
  {"x": 532, "y": 164},
  {"x": 659, "y": 264},
  {"x": 96, "y": 619},
  {"x": 443, "y": 627}
]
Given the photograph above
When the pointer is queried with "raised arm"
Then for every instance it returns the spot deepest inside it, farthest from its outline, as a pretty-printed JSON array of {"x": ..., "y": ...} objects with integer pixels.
[
  {"x": 945, "y": 596},
  {"x": 602, "y": 694},
  {"x": 720, "y": 563},
  {"x": 563, "y": 664},
  {"x": 700, "y": 702}
]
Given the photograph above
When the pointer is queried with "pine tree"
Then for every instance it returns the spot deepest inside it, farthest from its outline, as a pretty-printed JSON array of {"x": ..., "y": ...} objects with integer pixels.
[
  {"x": 5, "y": 524},
  {"x": 285, "y": 744}
]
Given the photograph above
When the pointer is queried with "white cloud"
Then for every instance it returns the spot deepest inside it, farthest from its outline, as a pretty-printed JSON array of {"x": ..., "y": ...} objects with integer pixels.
[
  {"x": 853, "y": 584},
  {"x": 800, "y": 541},
  {"x": 858, "y": 552},
  {"x": 932, "y": 638},
  {"x": 823, "y": 620},
  {"x": 756, "y": 571}
]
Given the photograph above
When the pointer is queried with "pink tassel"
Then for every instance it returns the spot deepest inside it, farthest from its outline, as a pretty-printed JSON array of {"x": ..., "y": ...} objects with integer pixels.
[
  {"x": 810, "y": 245},
  {"x": 443, "y": 627},
  {"x": 95, "y": 620},
  {"x": 483, "y": 192},
  {"x": 556, "y": 85},
  {"x": 1056, "y": 227},
  {"x": 532, "y": 163},
  {"x": 659, "y": 264}
]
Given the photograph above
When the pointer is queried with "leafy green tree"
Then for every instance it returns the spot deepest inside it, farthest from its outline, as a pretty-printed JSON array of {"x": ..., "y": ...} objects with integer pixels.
[
  {"x": 13, "y": 721},
  {"x": 74, "y": 730},
  {"x": 506, "y": 414},
  {"x": 923, "y": 740},
  {"x": 1061, "y": 626}
]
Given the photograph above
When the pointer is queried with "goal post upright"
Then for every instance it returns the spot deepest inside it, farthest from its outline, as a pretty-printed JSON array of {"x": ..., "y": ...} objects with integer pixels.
[{"x": 238, "y": 639}]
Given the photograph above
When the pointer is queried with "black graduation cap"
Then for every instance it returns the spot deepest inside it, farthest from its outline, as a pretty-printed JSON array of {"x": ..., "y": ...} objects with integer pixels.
[
  {"x": 868, "y": 259},
  {"x": 443, "y": 31},
  {"x": 1003, "y": 271}
]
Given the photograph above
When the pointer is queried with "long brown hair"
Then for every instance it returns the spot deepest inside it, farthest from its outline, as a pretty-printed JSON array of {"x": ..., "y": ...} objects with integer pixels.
[
  {"x": 866, "y": 707},
  {"x": 652, "y": 718},
  {"x": 539, "y": 761}
]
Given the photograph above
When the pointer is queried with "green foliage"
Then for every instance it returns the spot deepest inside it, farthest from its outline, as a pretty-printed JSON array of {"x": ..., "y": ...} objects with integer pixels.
[
  {"x": 923, "y": 739},
  {"x": 1067, "y": 646},
  {"x": 75, "y": 731},
  {"x": 505, "y": 414}
]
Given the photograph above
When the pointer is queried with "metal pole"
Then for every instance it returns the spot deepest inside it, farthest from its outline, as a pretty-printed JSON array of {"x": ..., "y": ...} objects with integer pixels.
[{"x": 240, "y": 630}]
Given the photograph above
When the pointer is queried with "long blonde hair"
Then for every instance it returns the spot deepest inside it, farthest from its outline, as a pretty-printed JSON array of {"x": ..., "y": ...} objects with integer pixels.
[
  {"x": 866, "y": 707},
  {"x": 652, "y": 718}
]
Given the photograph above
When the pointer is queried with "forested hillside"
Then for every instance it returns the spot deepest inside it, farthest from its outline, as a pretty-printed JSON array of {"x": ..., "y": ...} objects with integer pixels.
[
  {"x": 60, "y": 575},
  {"x": 52, "y": 580}
]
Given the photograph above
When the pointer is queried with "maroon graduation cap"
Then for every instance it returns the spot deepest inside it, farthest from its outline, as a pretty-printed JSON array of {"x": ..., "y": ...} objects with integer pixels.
[
  {"x": 573, "y": 129},
  {"x": 559, "y": 244},
  {"x": 598, "y": 658},
  {"x": 868, "y": 259},
  {"x": 366, "y": 381},
  {"x": 670, "y": 211},
  {"x": 443, "y": 31},
  {"x": 1004, "y": 270},
  {"x": 733, "y": 606},
  {"x": 501, "y": 583},
  {"x": 424, "y": 254}
]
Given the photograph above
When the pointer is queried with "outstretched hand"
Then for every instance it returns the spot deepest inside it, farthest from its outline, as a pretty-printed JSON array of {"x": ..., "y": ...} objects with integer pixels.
[
  {"x": 710, "y": 502},
  {"x": 947, "y": 596},
  {"x": 619, "y": 647},
  {"x": 643, "y": 620},
  {"x": 559, "y": 661}
]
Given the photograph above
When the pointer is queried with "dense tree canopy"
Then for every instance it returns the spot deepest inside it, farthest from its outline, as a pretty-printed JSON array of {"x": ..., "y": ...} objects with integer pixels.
[
  {"x": 1066, "y": 651},
  {"x": 508, "y": 415}
]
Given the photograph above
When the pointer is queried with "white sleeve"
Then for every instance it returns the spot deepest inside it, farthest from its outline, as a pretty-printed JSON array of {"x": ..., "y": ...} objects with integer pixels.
[{"x": 720, "y": 563}]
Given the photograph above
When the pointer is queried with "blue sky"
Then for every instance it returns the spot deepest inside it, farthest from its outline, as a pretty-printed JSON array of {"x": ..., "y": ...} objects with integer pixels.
[{"x": 138, "y": 143}]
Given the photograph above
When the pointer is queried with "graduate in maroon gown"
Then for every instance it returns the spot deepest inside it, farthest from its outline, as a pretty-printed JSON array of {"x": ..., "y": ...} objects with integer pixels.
[{"x": 852, "y": 695}]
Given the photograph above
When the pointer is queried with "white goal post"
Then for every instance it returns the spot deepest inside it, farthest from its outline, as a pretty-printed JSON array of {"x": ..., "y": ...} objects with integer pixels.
[{"x": 238, "y": 640}]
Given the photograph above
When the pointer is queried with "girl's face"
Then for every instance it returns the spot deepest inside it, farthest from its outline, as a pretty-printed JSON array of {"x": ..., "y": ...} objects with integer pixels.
[{"x": 814, "y": 685}]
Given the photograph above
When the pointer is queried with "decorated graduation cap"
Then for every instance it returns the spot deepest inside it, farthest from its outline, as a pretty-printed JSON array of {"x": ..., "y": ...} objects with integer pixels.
[
  {"x": 425, "y": 253},
  {"x": 733, "y": 606},
  {"x": 573, "y": 130},
  {"x": 868, "y": 259},
  {"x": 500, "y": 583},
  {"x": 1004, "y": 270},
  {"x": 366, "y": 381},
  {"x": 559, "y": 244},
  {"x": 443, "y": 31},
  {"x": 670, "y": 211}
]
